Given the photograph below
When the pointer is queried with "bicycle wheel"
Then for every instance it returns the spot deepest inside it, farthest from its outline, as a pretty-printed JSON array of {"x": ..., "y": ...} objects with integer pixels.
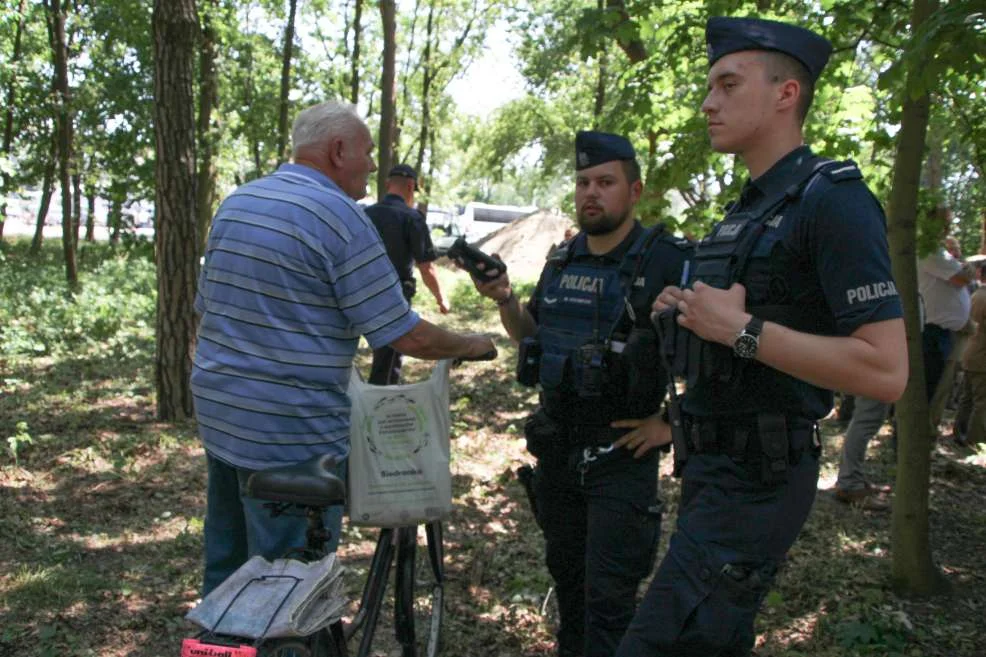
[
  {"x": 419, "y": 602},
  {"x": 328, "y": 642}
]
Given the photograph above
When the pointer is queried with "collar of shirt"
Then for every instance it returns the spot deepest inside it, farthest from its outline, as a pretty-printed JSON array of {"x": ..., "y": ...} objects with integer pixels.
[
  {"x": 394, "y": 199},
  {"x": 310, "y": 172},
  {"x": 776, "y": 178},
  {"x": 581, "y": 245}
]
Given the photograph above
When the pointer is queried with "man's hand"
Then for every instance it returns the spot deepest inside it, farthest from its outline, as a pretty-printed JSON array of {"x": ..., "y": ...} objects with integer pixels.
[
  {"x": 668, "y": 298},
  {"x": 646, "y": 434},
  {"x": 710, "y": 313},
  {"x": 479, "y": 345},
  {"x": 443, "y": 306},
  {"x": 497, "y": 289}
]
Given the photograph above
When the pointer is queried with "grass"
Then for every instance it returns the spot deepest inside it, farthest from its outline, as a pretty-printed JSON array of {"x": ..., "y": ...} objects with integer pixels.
[{"x": 101, "y": 510}]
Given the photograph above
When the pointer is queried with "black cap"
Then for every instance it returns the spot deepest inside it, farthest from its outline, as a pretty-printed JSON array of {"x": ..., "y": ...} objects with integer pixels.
[
  {"x": 592, "y": 148},
  {"x": 725, "y": 35},
  {"x": 404, "y": 171}
]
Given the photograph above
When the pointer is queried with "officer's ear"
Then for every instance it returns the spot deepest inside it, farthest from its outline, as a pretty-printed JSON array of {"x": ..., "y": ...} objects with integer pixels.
[{"x": 636, "y": 189}]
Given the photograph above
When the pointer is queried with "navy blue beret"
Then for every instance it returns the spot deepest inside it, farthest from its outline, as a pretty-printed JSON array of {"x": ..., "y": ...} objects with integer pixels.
[
  {"x": 404, "y": 171},
  {"x": 592, "y": 148},
  {"x": 725, "y": 35}
]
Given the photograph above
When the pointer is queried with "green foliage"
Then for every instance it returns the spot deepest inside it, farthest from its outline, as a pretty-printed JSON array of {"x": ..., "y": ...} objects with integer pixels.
[
  {"x": 115, "y": 306},
  {"x": 20, "y": 439}
]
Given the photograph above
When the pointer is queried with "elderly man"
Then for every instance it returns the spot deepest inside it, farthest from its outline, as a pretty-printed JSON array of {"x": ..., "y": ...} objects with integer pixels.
[{"x": 294, "y": 274}]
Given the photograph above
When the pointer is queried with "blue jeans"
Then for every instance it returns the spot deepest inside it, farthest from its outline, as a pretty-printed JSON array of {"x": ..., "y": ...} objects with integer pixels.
[
  {"x": 937, "y": 345},
  {"x": 238, "y": 527}
]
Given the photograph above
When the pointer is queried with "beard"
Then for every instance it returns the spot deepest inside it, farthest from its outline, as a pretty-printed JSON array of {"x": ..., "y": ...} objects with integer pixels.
[{"x": 601, "y": 224}]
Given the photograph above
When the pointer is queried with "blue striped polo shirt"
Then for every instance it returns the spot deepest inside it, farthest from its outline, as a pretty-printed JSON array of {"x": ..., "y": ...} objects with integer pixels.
[{"x": 294, "y": 273}]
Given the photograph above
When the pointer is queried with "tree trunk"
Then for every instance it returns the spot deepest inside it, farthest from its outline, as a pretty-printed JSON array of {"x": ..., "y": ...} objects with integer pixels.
[
  {"x": 114, "y": 218},
  {"x": 388, "y": 91},
  {"x": 354, "y": 62},
  {"x": 426, "y": 89},
  {"x": 56, "y": 34},
  {"x": 90, "y": 214},
  {"x": 8, "y": 115},
  {"x": 914, "y": 573},
  {"x": 76, "y": 209},
  {"x": 601, "y": 81},
  {"x": 47, "y": 187},
  {"x": 205, "y": 132},
  {"x": 175, "y": 29},
  {"x": 282, "y": 118}
]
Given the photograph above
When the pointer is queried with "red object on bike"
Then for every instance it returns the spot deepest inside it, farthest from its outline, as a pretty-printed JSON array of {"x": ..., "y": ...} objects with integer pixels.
[{"x": 195, "y": 648}]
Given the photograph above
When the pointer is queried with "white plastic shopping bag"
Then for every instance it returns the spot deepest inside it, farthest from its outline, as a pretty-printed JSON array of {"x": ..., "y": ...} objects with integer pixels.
[{"x": 399, "y": 460}]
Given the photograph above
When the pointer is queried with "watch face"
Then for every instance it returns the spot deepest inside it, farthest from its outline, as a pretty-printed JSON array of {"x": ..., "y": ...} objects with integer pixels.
[{"x": 746, "y": 346}]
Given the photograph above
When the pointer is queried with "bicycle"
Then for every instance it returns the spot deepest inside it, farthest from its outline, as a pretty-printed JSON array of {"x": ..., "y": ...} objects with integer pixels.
[{"x": 313, "y": 488}]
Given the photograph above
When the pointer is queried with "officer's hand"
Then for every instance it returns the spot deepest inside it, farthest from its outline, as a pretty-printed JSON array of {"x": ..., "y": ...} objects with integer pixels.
[
  {"x": 668, "y": 298},
  {"x": 497, "y": 289},
  {"x": 646, "y": 434},
  {"x": 713, "y": 314}
]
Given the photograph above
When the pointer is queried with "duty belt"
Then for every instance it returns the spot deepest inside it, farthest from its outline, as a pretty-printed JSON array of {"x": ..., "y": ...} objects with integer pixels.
[
  {"x": 591, "y": 435},
  {"x": 768, "y": 439}
]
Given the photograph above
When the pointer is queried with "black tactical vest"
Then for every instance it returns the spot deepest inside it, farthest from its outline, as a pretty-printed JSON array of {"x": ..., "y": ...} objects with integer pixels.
[{"x": 593, "y": 365}]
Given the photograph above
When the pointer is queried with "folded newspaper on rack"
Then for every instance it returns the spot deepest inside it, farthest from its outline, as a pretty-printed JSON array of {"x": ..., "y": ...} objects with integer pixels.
[{"x": 266, "y": 599}]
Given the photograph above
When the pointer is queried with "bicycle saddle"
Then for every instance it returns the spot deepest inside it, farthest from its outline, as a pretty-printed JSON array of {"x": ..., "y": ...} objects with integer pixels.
[{"x": 309, "y": 483}]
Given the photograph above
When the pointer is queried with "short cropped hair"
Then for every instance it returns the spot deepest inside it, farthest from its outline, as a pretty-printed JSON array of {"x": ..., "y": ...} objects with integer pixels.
[
  {"x": 781, "y": 67},
  {"x": 321, "y": 122},
  {"x": 631, "y": 169}
]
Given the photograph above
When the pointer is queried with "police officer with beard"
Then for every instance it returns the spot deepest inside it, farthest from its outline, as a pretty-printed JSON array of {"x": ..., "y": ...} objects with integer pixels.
[
  {"x": 585, "y": 339},
  {"x": 790, "y": 297}
]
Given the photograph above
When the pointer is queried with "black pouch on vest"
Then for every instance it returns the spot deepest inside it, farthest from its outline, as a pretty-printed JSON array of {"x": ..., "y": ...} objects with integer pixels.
[
  {"x": 775, "y": 447},
  {"x": 529, "y": 362},
  {"x": 641, "y": 366},
  {"x": 545, "y": 437}
]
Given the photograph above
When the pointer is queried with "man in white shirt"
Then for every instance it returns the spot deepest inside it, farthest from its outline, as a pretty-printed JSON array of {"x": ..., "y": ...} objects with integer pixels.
[{"x": 943, "y": 283}]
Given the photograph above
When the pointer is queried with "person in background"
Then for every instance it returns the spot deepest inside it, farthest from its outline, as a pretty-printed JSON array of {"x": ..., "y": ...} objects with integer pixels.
[
  {"x": 407, "y": 240},
  {"x": 294, "y": 274},
  {"x": 943, "y": 283},
  {"x": 972, "y": 428}
]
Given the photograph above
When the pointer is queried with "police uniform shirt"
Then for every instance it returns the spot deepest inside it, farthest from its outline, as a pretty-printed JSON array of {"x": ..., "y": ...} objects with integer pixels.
[
  {"x": 824, "y": 254},
  {"x": 404, "y": 233},
  {"x": 661, "y": 265}
]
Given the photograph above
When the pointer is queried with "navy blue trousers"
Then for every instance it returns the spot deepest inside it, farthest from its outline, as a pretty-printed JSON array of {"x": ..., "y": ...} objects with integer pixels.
[
  {"x": 601, "y": 529},
  {"x": 733, "y": 533}
]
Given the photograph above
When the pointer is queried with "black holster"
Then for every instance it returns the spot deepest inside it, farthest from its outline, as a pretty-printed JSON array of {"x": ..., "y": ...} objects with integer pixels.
[
  {"x": 545, "y": 437},
  {"x": 775, "y": 446}
]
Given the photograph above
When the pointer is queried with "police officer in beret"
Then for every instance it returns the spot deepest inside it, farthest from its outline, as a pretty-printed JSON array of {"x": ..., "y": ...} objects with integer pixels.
[
  {"x": 586, "y": 341},
  {"x": 406, "y": 238},
  {"x": 790, "y": 297}
]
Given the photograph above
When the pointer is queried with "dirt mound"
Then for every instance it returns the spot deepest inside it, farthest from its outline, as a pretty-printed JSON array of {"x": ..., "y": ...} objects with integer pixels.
[{"x": 524, "y": 244}]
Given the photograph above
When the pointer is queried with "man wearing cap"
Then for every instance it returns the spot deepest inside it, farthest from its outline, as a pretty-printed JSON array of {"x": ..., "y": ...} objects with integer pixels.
[
  {"x": 790, "y": 297},
  {"x": 405, "y": 237},
  {"x": 586, "y": 340}
]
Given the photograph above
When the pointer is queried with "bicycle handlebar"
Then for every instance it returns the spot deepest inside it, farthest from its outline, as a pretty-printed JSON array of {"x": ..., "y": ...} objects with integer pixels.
[{"x": 489, "y": 355}]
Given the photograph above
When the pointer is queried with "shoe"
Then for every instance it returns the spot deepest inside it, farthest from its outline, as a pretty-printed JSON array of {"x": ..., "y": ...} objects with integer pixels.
[{"x": 869, "y": 497}]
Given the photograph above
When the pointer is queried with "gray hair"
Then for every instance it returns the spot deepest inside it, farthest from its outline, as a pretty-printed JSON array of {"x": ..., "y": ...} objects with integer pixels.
[{"x": 321, "y": 122}]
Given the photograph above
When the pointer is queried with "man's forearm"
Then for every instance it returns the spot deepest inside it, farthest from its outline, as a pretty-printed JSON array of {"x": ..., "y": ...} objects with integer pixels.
[
  {"x": 872, "y": 362},
  {"x": 430, "y": 342},
  {"x": 430, "y": 279},
  {"x": 516, "y": 320}
]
